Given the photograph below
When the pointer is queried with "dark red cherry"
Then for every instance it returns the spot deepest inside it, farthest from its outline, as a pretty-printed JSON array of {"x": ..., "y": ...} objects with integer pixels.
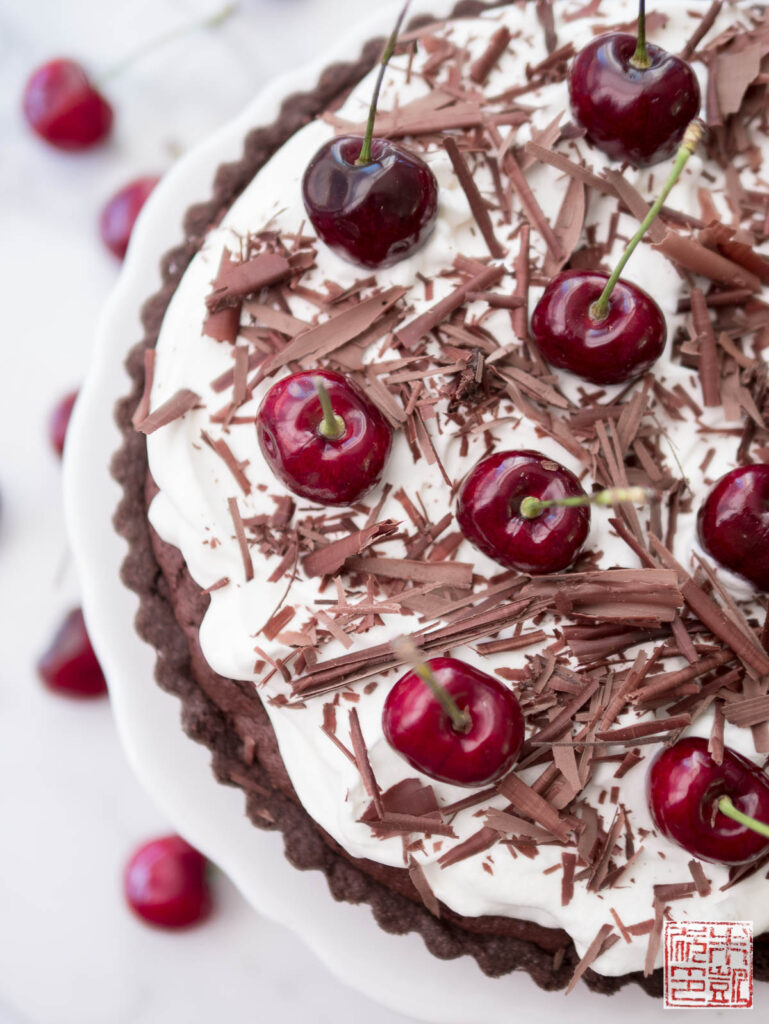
[
  {"x": 59, "y": 421},
  {"x": 62, "y": 106},
  {"x": 684, "y": 785},
  {"x": 329, "y": 471},
  {"x": 488, "y": 512},
  {"x": 165, "y": 883},
  {"x": 419, "y": 728},
  {"x": 635, "y": 114},
  {"x": 118, "y": 215},
  {"x": 69, "y": 665},
  {"x": 374, "y": 214},
  {"x": 733, "y": 523},
  {"x": 622, "y": 345}
]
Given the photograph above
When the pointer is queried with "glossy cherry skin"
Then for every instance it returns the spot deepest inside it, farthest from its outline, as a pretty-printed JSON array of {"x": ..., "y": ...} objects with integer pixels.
[
  {"x": 59, "y": 421},
  {"x": 119, "y": 213},
  {"x": 488, "y": 513},
  {"x": 374, "y": 215},
  {"x": 684, "y": 784},
  {"x": 69, "y": 666},
  {"x": 329, "y": 472},
  {"x": 165, "y": 883},
  {"x": 733, "y": 523},
  {"x": 63, "y": 107},
  {"x": 416, "y": 725},
  {"x": 629, "y": 113},
  {"x": 623, "y": 345}
]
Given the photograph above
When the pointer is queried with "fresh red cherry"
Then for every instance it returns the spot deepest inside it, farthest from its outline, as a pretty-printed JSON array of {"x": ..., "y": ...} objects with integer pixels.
[
  {"x": 118, "y": 215},
  {"x": 375, "y": 213},
  {"x": 733, "y": 523},
  {"x": 600, "y": 327},
  {"x": 489, "y": 512},
  {"x": 165, "y": 883},
  {"x": 484, "y": 743},
  {"x": 686, "y": 791},
  {"x": 607, "y": 350},
  {"x": 330, "y": 455},
  {"x": 634, "y": 100},
  {"x": 64, "y": 108},
  {"x": 69, "y": 665},
  {"x": 59, "y": 421},
  {"x": 371, "y": 200}
]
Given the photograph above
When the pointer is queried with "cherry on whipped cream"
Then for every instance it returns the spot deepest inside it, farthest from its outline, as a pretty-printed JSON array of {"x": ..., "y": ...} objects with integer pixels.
[
  {"x": 489, "y": 512},
  {"x": 322, "y": 437},
  {"x": 64, "y": 107},
  {"x": 715, "y": 812},
  {"x": 370, "y": 200},
  {"x": 59, "y": 421},
  {"x": 453, "y": 722},
  {"x": 598, "y": 326},
  {"x": 633, "y": 99},
  {"x": 165, "y": 883},
  {"x": 119, "y": 213},
  {"x": 733, "y": 523},
  {"x": 69, "y": 665}
]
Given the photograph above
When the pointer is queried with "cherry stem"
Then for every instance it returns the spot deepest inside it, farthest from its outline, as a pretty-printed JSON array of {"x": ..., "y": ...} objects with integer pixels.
[
  {"x": 408, "y": 651},
  {"x": 640, "y": 58},
  {"x": 209, "y": 21},
  {"x": 600, "y": 308},
  {"x": 365, "y": 152},
  {"x": 530, "y": 507},
  {"x": 332, "y": 427},
  {"x": 726, "y": 807}
]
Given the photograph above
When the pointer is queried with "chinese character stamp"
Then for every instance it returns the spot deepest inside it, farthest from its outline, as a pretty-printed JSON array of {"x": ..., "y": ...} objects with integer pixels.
[{"x": 708, "y": 964}]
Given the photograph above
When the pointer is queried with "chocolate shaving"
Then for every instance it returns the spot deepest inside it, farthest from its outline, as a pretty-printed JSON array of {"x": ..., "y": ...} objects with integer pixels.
[
  {"x": 240, "y": 534},
  {"x": 410, "y": 335},
  {"x": 329, "y": 559},
  {"x": 172, "y": 409},
  {"x": 422, "y": 886},
  {"x": 448, "y": 574},
  {"x": 363, "y": 763},
  {"x": 624, "y": 594},
  {"x": 702, "y": 884},
  {"x": 236, "y": 280},
  {"x": 477, "y": 206},
  {"x": 702, "y": 29},
  {"x": 474, "y": 844},
  {"x": 223, "y": 450},
  {"x": 629, "y": 733},
  {"x": 224, "y": 324},
  {"x": 706, "y": 338},
  {"x": 336, "y": 331},
  {"x": 605, "y": 938},
  {"x": 569, "y": 861},
  {"x": 532, "y": 805},
  {"x": 655, "y": 937},
  {"x": 481, "y": 68}
]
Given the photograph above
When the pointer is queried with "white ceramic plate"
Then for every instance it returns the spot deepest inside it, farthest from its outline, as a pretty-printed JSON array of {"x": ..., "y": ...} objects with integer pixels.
[{"x": 398, "y": 971}]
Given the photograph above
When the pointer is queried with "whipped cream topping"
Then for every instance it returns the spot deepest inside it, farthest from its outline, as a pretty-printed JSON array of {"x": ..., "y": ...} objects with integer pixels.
[{"x": 191, "y": 509}]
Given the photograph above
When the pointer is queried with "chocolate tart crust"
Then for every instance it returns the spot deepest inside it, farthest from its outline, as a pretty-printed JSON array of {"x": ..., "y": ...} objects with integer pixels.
[{"x": 227, "y": 715}]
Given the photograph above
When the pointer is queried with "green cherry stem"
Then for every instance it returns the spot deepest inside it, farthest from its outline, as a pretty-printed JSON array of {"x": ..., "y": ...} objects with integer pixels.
[
  {"x": 331, "y": 427},
  {"x": 600, "y": 308},
  {"x": 407, "y": 651},
  {"x": 726, "y": 807},
  {"x": 640, "y": 58},
  {"x": 530, "y": 507},
  {"x": 209, "y": 21},
  {"x": 365, "y": 152}
]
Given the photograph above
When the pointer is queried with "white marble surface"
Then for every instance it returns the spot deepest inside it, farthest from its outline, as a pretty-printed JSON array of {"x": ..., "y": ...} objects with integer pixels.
[{"x": 70, "y": 809}]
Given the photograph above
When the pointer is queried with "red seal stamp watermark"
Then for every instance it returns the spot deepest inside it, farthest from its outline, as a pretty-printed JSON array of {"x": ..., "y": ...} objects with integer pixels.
[{"x": 708, "y": 964}]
